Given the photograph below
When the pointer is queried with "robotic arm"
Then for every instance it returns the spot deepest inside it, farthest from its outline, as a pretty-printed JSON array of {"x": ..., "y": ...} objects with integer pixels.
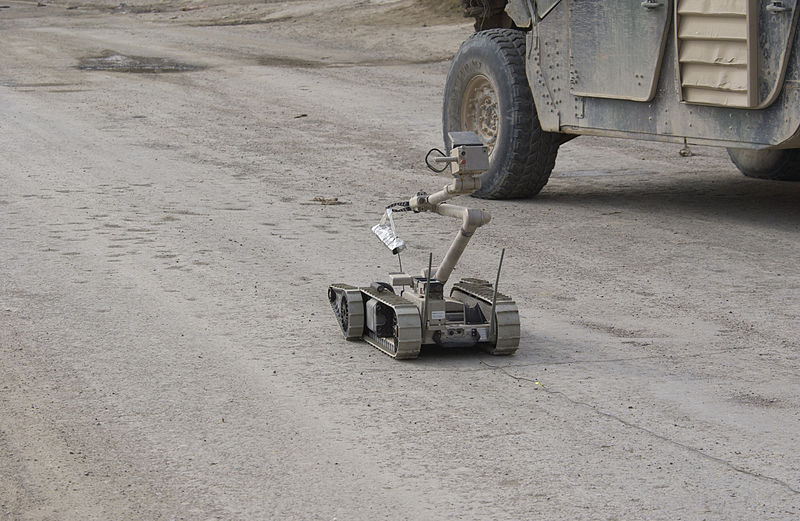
[{"x": 468, "y": 159}]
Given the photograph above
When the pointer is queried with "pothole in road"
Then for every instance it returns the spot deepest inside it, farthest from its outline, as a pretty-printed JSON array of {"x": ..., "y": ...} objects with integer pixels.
[
  {"x": 301, "y": 63},
  {"x": 292, "y": 63},
  {"x": 115, "y": 62}
]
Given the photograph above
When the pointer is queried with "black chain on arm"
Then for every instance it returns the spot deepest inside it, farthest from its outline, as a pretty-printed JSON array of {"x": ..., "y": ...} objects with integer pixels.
[{"x": 402, "y": 206}]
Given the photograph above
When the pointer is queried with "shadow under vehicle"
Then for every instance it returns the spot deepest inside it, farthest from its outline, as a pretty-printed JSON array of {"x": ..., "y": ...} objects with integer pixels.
[{"x": 539, "y": 72}]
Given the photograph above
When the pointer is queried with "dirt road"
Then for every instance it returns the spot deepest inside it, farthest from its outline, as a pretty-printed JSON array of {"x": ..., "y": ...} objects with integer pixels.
[{"x": 167, "y": 350}]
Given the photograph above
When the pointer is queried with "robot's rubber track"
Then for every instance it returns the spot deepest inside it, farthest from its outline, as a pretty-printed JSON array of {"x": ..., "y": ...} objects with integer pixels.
[
  {"x": 407, "y": 330},
  {"x": 348, "y": 307},
  {"x": 506, "y": 313}
]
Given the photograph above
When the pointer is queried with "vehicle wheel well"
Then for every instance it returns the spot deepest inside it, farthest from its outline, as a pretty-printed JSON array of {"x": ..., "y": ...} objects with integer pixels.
[
  {"x": 488, "y": 14},
  {"x": 777, "y": 164}
]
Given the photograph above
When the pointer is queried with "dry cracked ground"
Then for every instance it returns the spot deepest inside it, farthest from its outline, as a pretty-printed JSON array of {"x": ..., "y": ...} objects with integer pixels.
[{"x": 167, "y": 350}]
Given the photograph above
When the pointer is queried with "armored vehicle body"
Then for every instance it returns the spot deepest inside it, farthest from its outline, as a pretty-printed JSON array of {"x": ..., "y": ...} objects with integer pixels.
[{"x": 539, "y": 72}]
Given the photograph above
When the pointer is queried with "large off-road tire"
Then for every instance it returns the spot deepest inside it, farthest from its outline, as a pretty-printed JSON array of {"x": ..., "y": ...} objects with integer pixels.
[
  {"x": 780, "y": 165},
  {"x": 487, "y": 92}
]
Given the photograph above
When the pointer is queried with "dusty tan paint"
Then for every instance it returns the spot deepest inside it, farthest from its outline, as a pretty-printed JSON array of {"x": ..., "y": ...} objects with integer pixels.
[
  {"x": 717, "y": 52},
  {"x": 714, "y": 97},
  {"x": 715, "y": 77},
  {"x": 713, "y": 6}
]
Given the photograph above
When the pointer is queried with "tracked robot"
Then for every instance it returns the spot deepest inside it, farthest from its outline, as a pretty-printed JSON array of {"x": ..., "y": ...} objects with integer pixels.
[{"x": 401, "y": 316}]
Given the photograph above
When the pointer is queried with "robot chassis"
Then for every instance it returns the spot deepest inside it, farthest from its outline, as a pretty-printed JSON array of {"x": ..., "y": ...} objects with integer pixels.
[{"x": 474, "y": 313}]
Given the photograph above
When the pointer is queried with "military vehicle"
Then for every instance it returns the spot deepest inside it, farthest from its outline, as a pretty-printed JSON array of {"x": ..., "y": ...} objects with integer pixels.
[
  {"x": 708, "y": 72},
  {"x": 401, "y": 316}
]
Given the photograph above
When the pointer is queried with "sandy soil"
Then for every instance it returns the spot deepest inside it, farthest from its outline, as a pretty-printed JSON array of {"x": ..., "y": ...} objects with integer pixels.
[{"x": 167, "y": 348}]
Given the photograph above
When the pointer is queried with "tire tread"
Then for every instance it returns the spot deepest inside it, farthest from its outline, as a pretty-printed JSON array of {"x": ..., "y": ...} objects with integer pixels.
[{"x": 533, "y": 152}]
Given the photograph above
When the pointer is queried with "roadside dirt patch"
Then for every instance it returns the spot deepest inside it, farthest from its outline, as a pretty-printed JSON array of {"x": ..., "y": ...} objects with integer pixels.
[
  {"x": 419, "y": 12},
  {"x": 396, "y": 14}
]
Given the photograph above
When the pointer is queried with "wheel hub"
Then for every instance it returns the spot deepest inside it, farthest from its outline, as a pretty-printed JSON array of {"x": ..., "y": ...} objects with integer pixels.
[{"x": 479, "y": 110}]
